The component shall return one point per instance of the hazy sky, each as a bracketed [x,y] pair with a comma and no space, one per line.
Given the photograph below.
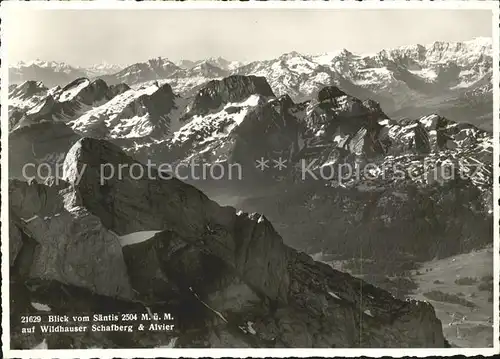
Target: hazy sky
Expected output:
[84,37]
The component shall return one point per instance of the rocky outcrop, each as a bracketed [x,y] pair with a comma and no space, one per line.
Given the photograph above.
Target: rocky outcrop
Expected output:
[230,89]
[238,134]
[157,106]
[187,211]
[229,277]
[117,89]
[15,115]
[15,240]
[72,246]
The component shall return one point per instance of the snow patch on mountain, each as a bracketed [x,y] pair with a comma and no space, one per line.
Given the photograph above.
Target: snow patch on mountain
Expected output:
[113,120]
[41,307]
[136,237]
[38,108]
[217,125]
[69,93]
[429,75]
[367,77]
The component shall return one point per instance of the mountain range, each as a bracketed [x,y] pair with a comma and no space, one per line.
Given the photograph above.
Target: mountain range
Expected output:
[421,188]
[408,81]
[239,120]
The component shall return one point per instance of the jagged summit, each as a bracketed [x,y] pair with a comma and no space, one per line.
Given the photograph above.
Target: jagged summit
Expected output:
[161,62]
[27,89]
[153,69]
[233,88]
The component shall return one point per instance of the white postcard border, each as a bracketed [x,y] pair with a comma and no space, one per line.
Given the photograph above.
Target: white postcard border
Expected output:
[259,352]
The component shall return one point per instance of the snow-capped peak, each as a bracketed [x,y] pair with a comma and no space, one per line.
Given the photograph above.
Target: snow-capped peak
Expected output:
[103,68]
[442,51]
[219,62]
[185,64]
[328,57]
[55,65]
[448,49]
[222,63]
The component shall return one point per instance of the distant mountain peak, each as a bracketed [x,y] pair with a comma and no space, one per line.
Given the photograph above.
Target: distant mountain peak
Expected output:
[42,63]
[291,54]
[330,92]
[161,62]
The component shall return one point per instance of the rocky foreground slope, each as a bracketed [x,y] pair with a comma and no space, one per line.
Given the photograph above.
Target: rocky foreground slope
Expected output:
[226,276]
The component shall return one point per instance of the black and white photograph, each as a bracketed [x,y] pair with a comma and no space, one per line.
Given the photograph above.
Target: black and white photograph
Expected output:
[184,178]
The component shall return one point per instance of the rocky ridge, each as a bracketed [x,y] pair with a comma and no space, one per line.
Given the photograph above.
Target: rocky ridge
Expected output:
[409,81]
